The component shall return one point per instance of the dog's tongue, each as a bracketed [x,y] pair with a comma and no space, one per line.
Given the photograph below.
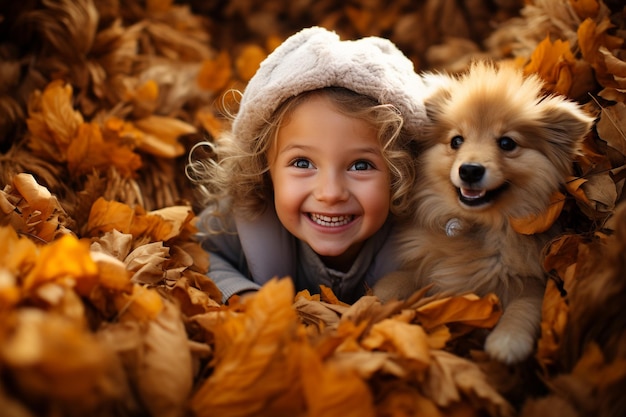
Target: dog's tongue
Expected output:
[469,193]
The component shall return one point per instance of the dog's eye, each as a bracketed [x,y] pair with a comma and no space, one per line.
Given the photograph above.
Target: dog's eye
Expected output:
[506,143]
[456,142]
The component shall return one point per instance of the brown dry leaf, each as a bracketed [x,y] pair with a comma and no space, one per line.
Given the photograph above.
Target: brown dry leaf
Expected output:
[601,191]
[542,222]
[147,262]
[573,188]
[554,62]
[31,209]
[52,121]
[191,300]
[452,379]
[256,359]
[164,372]
[611,127]
[560,262]
[469,309]
[157,358]
[215,72]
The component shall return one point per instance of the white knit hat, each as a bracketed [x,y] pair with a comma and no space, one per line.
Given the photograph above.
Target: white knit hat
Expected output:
[316,58]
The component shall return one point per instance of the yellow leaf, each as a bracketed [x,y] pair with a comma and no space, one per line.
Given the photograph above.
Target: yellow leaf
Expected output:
[67,261]
[541,222]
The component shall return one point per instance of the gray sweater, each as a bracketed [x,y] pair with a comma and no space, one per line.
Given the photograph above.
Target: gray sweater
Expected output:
[249,253]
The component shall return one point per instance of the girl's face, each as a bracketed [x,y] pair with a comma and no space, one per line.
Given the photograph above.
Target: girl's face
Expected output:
[331,183]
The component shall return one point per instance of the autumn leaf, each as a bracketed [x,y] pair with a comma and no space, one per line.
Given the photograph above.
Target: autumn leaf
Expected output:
[67,261]
[52,121]
[248,61]
[541,222]
[469,309]
[554,63]
[216,72]
[88,152]
[106,216]
[160,135]
[254,362]
[54,360]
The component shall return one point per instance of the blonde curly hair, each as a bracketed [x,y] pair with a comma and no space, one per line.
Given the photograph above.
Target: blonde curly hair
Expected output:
[236,174]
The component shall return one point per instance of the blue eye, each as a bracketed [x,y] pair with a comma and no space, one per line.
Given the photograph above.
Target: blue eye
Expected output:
[456,142]
[361,166]
[301,163]
[506,143]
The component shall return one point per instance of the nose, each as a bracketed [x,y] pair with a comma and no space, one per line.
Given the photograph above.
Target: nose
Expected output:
[331,188]
[471,172]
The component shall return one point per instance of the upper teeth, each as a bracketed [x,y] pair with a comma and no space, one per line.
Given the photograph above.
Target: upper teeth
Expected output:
[330,221]
[471,194]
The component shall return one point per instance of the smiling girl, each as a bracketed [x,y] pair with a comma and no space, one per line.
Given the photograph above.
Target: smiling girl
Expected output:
[316,169]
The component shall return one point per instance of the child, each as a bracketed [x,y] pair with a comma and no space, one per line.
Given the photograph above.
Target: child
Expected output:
[315,169]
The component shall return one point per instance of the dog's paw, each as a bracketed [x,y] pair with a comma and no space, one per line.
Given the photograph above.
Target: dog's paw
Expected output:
[509,348]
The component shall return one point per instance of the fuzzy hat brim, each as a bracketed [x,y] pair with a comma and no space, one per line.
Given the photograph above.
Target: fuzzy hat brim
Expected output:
[315,58]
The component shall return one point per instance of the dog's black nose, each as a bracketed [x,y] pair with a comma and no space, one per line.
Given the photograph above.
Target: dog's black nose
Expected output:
[471,172]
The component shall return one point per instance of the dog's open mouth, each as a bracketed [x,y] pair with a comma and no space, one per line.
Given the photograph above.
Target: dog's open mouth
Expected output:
[475,198]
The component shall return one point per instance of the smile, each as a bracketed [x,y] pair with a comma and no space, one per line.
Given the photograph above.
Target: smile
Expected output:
[328,221]
[474,198]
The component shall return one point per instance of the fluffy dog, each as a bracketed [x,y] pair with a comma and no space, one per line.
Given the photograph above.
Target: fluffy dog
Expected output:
[497,149]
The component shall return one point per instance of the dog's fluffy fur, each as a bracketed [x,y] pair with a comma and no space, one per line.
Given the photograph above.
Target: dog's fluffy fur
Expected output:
[496,149]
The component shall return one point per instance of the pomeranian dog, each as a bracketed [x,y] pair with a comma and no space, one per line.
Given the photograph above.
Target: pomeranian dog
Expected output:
[496,149]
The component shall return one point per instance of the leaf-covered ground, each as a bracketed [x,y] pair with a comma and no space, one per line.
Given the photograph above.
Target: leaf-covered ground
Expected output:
[105,305]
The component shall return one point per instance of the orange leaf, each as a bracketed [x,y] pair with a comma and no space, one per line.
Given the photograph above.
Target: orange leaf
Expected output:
[467,309]
[215,73]
[143,304]
[573,186]
[585,8]
[66,260]
[541,222]
[106,216]
[249,61]
[52,120]
[554,63]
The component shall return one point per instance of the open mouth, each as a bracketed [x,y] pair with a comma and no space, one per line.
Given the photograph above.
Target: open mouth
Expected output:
[331,221]
[474,198]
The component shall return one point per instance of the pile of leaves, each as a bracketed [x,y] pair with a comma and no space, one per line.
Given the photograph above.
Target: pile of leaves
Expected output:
[105,303]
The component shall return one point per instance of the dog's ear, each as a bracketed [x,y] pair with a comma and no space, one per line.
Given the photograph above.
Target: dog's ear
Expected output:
[564,125]
[437,94]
